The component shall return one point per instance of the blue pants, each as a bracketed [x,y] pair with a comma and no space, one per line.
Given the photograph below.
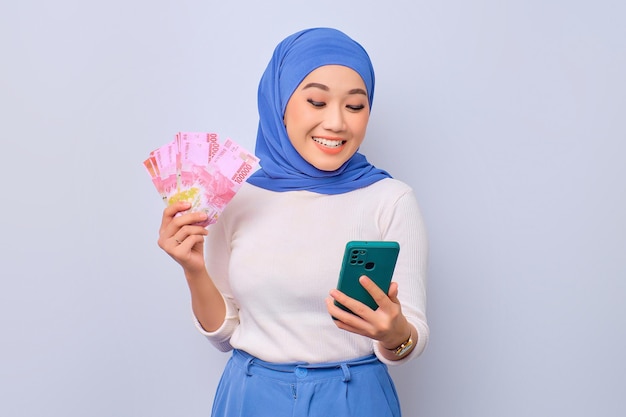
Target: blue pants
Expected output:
[251,387]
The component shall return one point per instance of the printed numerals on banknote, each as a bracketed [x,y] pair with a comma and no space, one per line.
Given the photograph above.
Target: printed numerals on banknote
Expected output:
[198,168]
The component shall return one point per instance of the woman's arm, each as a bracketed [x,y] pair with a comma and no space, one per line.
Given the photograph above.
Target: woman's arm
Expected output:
[182,239]
[397,316]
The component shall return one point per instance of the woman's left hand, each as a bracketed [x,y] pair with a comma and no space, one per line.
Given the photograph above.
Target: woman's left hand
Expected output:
[386,324]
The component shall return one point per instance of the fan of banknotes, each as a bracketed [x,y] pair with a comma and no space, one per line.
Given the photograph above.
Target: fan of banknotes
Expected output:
[199,168]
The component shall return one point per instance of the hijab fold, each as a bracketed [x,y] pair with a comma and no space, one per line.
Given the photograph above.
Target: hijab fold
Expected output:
[282,167]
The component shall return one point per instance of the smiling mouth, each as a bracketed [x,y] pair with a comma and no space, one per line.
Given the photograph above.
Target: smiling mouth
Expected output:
[328,143]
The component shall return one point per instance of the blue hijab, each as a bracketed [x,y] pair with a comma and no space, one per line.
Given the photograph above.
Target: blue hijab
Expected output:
[282,167]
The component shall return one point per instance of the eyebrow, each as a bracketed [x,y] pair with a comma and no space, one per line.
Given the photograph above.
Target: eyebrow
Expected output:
[325,88]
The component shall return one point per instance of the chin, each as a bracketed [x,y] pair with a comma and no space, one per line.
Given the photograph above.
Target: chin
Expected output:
[327,166]
[327,169]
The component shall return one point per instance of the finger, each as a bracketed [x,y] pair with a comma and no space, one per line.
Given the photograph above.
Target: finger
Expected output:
[189,230]
[176,223]
[374,290]
[358,309]
[172,210]
[352,329]
[349,322]
[196,218]
[169,213]
[185,251]
[393,292]
[174,234]
[186,245]
[344,319]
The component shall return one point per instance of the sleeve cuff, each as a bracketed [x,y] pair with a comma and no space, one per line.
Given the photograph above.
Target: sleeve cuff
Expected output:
[420,346]
[220,337]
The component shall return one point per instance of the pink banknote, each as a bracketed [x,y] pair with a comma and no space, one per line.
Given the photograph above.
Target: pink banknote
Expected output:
[198,168]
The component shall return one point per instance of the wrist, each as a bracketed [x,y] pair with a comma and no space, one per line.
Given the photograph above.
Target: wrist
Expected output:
[398,338]
[402,348]
[196,274]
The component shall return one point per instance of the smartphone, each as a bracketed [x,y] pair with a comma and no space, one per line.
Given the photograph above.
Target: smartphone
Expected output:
[376,260]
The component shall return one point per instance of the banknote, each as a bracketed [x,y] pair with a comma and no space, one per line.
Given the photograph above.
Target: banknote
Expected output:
[197,167]
[162,167]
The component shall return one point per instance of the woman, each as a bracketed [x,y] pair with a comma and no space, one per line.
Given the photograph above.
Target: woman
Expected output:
[265,288]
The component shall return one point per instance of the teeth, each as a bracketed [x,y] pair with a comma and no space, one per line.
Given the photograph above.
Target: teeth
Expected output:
[329,143]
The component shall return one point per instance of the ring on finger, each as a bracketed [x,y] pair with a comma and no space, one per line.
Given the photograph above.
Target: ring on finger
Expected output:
[178,241]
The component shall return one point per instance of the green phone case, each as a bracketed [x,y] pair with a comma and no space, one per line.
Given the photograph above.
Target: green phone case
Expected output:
[375,259]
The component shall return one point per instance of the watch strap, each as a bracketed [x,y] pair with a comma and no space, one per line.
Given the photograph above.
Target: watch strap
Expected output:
[404,347]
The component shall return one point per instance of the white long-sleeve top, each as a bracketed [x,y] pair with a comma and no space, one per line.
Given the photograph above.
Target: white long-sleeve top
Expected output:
[275,256]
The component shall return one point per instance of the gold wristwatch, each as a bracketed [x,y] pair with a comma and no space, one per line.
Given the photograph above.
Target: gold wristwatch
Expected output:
[404,347]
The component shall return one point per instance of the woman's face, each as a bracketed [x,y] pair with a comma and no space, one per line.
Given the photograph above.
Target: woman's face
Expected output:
[326,116]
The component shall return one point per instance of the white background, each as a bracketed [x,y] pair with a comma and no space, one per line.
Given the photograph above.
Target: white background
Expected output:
[508,117]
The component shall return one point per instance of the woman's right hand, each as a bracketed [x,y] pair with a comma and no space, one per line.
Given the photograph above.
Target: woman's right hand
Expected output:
[181,237]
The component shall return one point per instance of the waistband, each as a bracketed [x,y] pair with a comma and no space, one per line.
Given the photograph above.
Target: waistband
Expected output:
[302,370]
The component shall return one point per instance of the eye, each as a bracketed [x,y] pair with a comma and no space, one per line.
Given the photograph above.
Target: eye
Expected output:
[316,103]
[356,107]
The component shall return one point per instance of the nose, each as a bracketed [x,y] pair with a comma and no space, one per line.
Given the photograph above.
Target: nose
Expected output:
[334,119]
